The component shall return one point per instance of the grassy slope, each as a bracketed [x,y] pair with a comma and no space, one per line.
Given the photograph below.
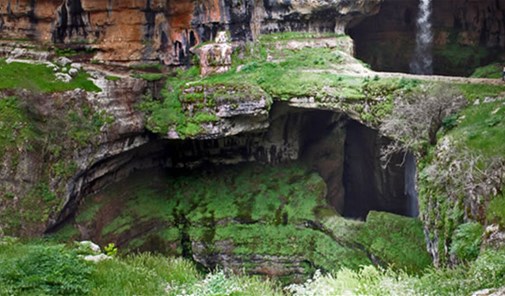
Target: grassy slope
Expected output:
[486,272]
[39,77]
[43,268]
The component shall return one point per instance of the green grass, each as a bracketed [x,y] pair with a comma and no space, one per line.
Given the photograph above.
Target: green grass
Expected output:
[149,76]
[38,77]
[459,58]
[286,36]
[489,71]
[467,240]
[487,271]
[481,91]
[112,78]
[44,268]
[397,240]
[495,212]
[482,128]
[152,67]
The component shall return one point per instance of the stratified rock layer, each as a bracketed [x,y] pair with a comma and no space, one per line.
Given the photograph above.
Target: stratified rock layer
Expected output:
[166,30]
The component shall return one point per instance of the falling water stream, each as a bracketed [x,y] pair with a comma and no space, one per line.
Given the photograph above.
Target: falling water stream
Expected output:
[422,61]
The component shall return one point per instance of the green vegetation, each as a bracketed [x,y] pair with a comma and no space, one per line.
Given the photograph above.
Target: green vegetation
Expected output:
[286,36]
[265,72]
[481,91]
[43,268]
[489,71]
[246,211]
[16,129]
[149,76]
[466,241]
[459,58]
[40,269]
[39,77]
[482,128]
[112,78]
[486,272]
[150,67]
[396,240]
[496,210]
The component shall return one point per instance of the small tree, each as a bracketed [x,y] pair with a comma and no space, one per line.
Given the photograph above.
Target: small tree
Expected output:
[417,117]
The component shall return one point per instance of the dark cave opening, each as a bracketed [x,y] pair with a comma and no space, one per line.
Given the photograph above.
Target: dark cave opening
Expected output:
[344,152]
[370,183]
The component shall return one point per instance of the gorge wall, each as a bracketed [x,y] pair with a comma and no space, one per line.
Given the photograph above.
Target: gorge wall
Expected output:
[166,30]
[467,34]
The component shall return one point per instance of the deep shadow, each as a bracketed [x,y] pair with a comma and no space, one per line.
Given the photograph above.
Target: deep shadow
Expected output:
[368,184]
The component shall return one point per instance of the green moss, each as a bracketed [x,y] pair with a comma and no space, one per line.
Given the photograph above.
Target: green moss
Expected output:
[16,128]
[39,77]
[286,36]
[152,67]
[255,210]
[269,73]
[31,210]
[397,240]
[112,78]
[489,71]
[459,58]
[495,212]
[149,76]
[289,240]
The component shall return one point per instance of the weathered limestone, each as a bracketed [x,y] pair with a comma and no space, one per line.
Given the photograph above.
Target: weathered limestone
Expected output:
[167,30]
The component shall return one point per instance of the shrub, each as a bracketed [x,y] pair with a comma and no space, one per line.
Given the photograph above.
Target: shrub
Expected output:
[42,270]
[496,210]
[467,240]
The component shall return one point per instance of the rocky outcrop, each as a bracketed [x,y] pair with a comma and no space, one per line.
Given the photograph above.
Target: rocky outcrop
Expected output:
[166,30]
[215,57]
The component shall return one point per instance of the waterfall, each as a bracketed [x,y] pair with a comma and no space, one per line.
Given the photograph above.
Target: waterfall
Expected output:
[422,62]
[410,185]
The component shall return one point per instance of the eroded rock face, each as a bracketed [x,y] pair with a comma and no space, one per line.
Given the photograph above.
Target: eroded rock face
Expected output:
[166,30]
[216,57]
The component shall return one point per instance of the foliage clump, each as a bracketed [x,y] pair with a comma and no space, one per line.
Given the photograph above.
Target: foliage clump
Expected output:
[466,241]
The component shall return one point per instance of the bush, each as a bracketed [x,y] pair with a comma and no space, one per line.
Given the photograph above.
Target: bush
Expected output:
[42,270]
[496,210]
[467,240]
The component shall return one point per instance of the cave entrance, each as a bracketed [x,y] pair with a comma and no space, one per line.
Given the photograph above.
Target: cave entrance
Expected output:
[371,184]
[344,152]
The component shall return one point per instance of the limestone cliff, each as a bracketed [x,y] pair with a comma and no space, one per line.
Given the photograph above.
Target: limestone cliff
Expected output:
[166,30]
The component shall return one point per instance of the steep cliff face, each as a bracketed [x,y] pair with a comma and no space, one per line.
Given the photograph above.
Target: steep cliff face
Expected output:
[166,30]
[468,34]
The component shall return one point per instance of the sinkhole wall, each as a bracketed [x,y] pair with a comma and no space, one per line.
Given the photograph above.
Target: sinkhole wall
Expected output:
[345,153]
